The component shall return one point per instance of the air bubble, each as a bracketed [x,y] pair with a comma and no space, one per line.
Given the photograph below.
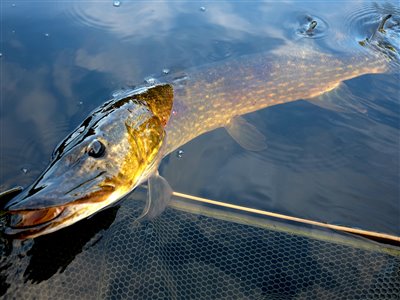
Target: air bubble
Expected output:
[202,8]
[47,34]
[117,3]
[1,54]
[180,153]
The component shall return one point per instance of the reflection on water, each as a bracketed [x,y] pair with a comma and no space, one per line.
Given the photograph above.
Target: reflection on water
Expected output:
[61,60]
[52,252]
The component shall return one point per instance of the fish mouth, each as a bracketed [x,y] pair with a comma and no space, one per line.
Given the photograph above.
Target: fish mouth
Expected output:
[30,223]
[24,223]
[26,219]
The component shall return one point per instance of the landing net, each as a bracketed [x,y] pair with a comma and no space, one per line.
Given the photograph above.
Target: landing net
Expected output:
[205,252]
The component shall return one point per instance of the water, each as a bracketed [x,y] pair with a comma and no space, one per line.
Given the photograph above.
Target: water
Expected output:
[334,167]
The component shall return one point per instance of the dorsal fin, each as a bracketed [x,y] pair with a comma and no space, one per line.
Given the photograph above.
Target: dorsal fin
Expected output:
[160,99]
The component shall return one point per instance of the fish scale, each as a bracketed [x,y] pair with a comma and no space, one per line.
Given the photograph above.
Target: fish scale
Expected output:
[213,95]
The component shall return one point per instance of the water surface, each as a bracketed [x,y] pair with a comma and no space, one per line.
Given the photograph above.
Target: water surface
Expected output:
[60,60]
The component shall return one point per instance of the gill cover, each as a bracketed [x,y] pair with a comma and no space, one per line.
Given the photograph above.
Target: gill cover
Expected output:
[117,147]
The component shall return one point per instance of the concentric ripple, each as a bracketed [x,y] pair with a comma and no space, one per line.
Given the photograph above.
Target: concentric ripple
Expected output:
[376,26]
[363,23]
[299,25]
[310,26]
[127,22]
[76,11]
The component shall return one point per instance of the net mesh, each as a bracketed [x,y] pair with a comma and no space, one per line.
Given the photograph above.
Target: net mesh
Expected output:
[181,255]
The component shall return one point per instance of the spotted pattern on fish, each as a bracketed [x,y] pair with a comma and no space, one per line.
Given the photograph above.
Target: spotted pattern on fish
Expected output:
[212,95]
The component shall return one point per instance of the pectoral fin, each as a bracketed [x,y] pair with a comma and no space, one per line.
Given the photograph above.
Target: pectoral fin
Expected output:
[158,196]
[246,134]
[340,99]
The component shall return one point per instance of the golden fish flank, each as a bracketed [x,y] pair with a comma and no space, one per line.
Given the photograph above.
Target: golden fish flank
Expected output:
[254,82]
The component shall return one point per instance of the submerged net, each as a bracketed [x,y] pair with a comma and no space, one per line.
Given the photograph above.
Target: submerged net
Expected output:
[210,254]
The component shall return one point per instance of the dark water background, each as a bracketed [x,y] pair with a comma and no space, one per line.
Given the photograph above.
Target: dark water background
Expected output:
[60,60]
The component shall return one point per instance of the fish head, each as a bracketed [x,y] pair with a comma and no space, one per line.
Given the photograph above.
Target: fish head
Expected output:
[114,150]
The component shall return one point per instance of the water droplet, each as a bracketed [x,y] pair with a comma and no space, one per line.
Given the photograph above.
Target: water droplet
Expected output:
[180,153]
[202,8]
[165,71]
[24,170]
[118,93]
[47,34]
[150,80]
[117,3]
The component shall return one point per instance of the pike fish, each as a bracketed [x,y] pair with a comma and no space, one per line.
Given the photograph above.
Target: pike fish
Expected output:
[120,144]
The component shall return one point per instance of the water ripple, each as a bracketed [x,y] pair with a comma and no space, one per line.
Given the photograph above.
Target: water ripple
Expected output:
[363,22]
[129,21]
[299,25]
[78,12]
[310,26]
[376,26]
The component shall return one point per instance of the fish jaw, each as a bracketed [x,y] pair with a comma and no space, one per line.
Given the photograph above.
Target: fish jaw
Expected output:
[26,224]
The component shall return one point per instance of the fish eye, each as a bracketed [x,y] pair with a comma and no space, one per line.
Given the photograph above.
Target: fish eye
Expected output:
[95,148]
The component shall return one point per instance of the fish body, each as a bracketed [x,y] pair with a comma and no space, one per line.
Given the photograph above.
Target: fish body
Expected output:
[120,145]
[210,97]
